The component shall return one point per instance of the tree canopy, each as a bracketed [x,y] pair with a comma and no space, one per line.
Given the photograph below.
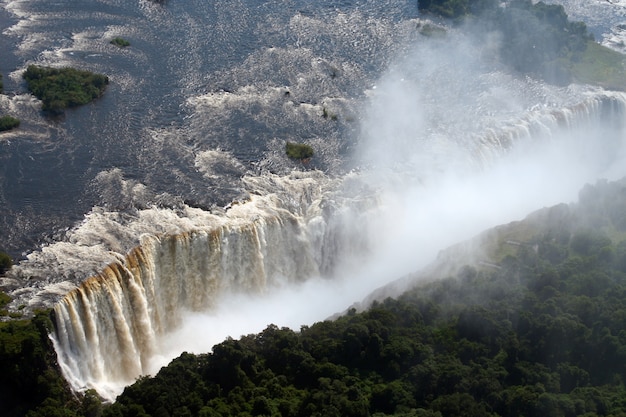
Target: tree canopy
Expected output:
[59,88]
[6,123]
[121,42]
[5,260]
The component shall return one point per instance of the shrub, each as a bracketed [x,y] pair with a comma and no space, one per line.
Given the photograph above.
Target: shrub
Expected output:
[5,262]
[326,114]
[121,42]
[8,123]
[4,300]
[298,150]
[59,88]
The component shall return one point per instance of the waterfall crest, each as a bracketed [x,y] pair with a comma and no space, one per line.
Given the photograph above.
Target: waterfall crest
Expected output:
[605,109]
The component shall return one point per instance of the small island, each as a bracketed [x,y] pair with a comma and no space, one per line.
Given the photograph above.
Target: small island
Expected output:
[8,123]
[60,88]
[121,42]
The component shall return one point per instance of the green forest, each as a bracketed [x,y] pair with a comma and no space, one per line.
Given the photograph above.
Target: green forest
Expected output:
[536,330]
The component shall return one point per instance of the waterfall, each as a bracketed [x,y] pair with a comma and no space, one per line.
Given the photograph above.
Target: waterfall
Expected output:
[109,328]
[111,325]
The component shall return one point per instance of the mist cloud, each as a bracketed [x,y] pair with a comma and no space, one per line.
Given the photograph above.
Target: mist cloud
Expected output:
[456,145]
[449,147]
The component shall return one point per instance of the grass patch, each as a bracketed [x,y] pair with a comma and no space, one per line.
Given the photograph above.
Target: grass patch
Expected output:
[601,66]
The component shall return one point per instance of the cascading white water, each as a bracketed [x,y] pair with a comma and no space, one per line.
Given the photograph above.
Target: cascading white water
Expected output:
[112,325]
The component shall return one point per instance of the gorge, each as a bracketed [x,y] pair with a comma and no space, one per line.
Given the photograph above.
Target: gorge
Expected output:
[341,234]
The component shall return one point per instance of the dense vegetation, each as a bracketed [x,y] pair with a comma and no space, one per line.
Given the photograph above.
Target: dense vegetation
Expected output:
[5,262]
[121,42]
[8,123]
[59,88]
[30,383]
[538,39]
[299,151]
[540,333]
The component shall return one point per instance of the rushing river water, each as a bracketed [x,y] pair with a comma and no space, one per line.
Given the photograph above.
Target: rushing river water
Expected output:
[242,57]
[150,127]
